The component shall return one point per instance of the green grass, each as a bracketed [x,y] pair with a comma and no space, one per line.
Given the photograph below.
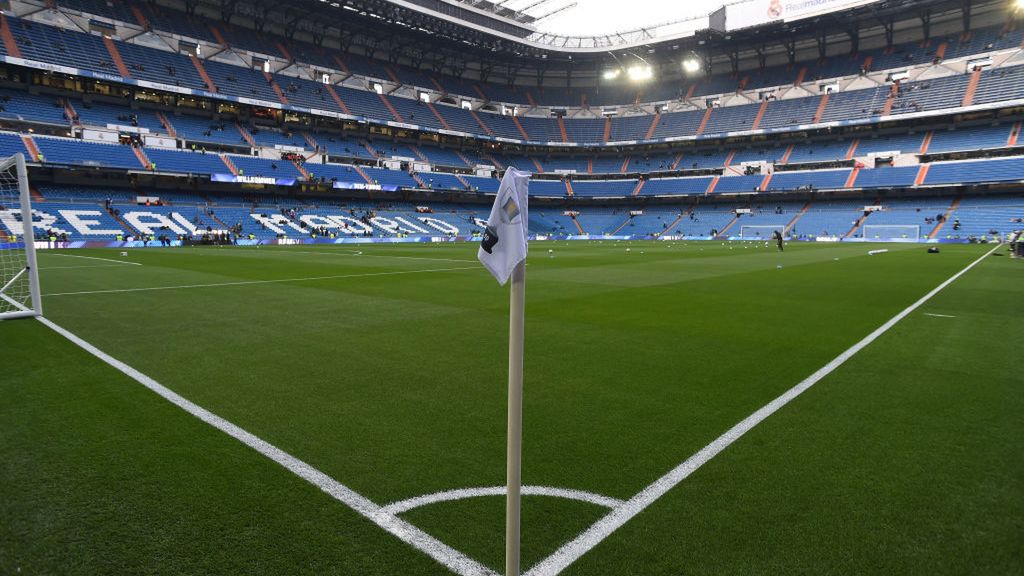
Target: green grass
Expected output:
[388,374]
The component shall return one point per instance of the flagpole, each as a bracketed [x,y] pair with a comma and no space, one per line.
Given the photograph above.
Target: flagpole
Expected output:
[517,309]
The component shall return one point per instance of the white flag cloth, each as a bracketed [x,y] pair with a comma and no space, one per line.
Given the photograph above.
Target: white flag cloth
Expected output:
[504,243]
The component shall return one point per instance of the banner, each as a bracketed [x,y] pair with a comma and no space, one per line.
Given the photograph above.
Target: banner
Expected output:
[758,12]
[364,186]
[252,179]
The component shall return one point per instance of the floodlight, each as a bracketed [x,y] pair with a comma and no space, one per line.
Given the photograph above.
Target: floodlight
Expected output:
[1019,4]
[692,65]
[611,74]
[637,72]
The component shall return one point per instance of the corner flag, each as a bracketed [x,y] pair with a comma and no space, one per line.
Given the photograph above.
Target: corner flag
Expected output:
[503,253]
[504,242]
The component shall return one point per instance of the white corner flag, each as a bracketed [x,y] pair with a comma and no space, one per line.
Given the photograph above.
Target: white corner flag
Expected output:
[503,252]
[504,243]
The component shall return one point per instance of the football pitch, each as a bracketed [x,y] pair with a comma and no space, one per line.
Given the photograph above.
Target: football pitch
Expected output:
[363,392]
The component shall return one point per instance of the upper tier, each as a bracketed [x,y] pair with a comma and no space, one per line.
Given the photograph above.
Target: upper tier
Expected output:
[294,57]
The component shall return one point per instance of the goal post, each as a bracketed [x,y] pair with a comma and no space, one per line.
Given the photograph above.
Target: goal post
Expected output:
[19,276]
[761,232]
[891,232]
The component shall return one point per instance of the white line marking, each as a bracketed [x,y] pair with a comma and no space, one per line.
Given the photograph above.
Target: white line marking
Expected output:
[939,315]
[451,558]
[463,493]
[252,282]
[78,267]
[91,258]
[584,542]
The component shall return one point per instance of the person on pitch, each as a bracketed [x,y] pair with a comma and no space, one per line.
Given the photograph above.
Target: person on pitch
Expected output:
[778,239]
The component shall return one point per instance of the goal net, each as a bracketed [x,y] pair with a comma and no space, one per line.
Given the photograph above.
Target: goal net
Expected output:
[19,277]
[907,233]
[761,232]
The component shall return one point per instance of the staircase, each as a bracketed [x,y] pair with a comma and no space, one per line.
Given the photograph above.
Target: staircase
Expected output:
[621,226]
[30,147]
[124,225]
[245,134]
[391,108]
[536,163]
[35,194]
[887,107]
[167,124]
[1011,140]
[310,140]
[590,165]
[277,89]
[852,149]
[851,180]
[143,159]
[227,162]
[369,148]
[480,121]
[302,170]
[922,173]
[577,223]
[972,87]
[140,17]
[760,115]
[792,222]
[70,111]
[711,187]
[284,52]
[562,130]
[337,99]
[437,114]
[926,142]
[568,189]
[463,181]
[650,129]
[722,232]
[625,165]
[219,37]
[674,223]
[519,126]
[418,180]
[115,57]
[202,74]
[704,121]
[639,187]
[342,64]
[464,159]
[856,226]
[607,129]
[419,154]
[765,182]
[9,42]
[785,156]
[800,76]
[821,108]
[949,212]
[365,176]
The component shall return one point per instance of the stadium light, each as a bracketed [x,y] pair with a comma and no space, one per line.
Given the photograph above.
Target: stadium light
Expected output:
[638,73]
[1019,4]
[611,74]
[691,65]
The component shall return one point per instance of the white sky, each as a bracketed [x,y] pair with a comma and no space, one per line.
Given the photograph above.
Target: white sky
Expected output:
[607,16]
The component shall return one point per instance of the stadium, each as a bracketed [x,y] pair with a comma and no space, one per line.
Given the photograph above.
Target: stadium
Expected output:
[771,324]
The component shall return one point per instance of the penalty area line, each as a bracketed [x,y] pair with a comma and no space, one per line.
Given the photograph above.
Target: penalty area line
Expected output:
[253,282]
[447,556]
[591,537]
[90,258]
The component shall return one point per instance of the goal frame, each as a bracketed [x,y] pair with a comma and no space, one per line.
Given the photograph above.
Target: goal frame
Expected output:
[28,240]
[780,227]
[865,228]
